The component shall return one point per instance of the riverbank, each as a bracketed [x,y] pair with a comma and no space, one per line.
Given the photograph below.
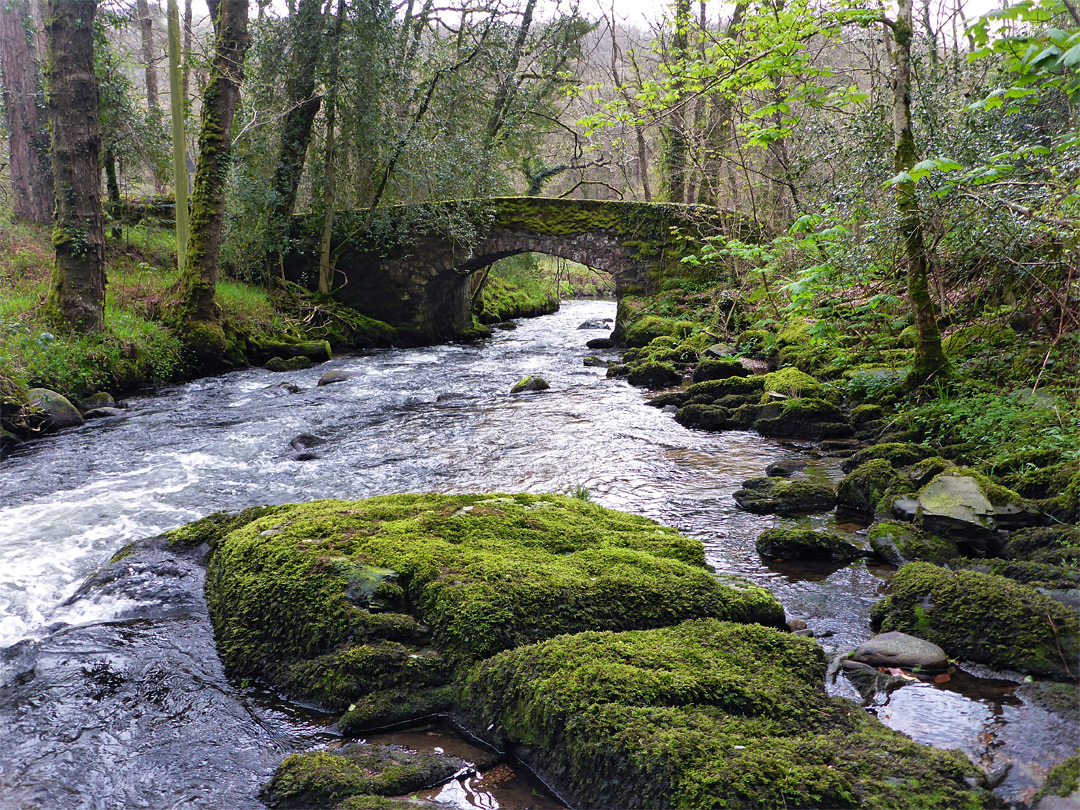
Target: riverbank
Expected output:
[141,345]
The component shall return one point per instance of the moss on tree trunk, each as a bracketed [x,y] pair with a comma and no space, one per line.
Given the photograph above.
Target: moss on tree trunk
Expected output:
[77,286]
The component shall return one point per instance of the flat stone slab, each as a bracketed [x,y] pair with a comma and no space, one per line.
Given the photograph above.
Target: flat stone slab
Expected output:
[958,498]
[900,650]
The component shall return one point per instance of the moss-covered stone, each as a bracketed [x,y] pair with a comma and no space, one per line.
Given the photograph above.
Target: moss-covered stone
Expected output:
[969,339]
[983,618]
[473,575]
[756,342]
[1063,780]
[713,418]
[703,715]
[1045,544]
[1039,575]
[805,418]
[653,375]
[707,393]
[289,364]
[863,489]
[784,496]
[805,544]
[795,383]
[644,330]
[323,778]
[530,383]
[899,454]
[900,543]
[720,369]
[1042,482]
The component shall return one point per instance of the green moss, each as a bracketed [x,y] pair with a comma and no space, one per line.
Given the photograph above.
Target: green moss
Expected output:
[970,339]
[720,369]
[755,342]
[653,375]
[680,717]
[899,454]
[994,492]
[805,544]
[863,489]
[899,543]
[530,383]
[1039,575]
[644,330]
[794,383]
[1046,544]
[785,496]
[983,618]
[477,574]
[713,390]
[1063,780]
[322,778]
[805,418]
[211,529]
[1042,482]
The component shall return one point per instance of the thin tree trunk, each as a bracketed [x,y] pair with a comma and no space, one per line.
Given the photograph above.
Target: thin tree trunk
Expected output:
[929,360]
[199,277]
[307,33]
[77,285]
[112,189]
[504,96]
[326,268]
[179,138]
[187,48]
[146,27]
[25,114]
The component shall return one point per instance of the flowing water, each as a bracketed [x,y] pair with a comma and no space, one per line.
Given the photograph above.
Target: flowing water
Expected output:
[436,419]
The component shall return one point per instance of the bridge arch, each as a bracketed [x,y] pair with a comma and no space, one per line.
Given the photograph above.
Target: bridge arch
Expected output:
[418,278]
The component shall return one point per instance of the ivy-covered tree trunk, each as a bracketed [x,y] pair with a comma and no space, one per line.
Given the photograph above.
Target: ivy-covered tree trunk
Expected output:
[307,34]
[24,112]
[77,285]
[673,135]
[929,359]
[329,200]
[199,277]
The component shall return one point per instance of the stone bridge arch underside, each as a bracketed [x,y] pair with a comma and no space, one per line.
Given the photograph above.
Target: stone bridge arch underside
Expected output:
[415,275]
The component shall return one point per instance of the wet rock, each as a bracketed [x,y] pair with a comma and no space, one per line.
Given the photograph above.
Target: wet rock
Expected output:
[713,418]
[785,468]
[899,543]
[870,681]
[331,377]
[375,589]
[98,400]
[900,650]
[287,387]
[796,624]
[594,362]
[288,364]
[594,324]
[983,618]
[905,508]
[1045,544]
[325,778]
[600,343]
[783,496]
[804,418]
[305,441]
[506,326]
[316,351]
[56,412]
[899,454]
[530,383]
[672,409]
[103,413]
[805,544]
[8,440]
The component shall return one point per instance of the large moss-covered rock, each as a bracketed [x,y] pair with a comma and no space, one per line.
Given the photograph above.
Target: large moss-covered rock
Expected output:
[899,454]
[863,488]
[706,714]
[806,418]
[785,496]
[719,370]
[1053,545]
[795,383]
[530,383]
[983,618]
[53,411]
[376,604]
[653,375]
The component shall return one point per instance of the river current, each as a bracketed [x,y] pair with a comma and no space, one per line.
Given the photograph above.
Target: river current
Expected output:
[440,419]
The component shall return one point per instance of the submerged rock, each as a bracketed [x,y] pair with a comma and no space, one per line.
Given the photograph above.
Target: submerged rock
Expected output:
[984,618]
[595,362]
[103,413]
[331,377]
[594,324]
[101,399]
[900,650]
[530,383]
[600,343]
[55,411]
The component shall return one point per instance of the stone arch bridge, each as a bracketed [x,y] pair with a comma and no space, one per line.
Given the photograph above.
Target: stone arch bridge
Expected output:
[410,265]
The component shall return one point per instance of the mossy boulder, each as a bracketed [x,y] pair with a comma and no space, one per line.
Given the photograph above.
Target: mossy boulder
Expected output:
[970,339]
[1042,482]
[983,618]
[530,383]
[1044,544]
[653,375]
[795,383]
[705,714]
[806,418]
[863,488]
[806,544]
[53,411]
[719,370]
[714,418]
[1063,780]
[1044,576]
[645,329]
[317,351]
[899,454]
[376,604]
[785,496]
[288,364]
[324,778]
[966,504]
[707,393]
[899,543]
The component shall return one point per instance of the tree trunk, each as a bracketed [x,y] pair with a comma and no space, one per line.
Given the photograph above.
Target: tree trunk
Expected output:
[146,27]
[307,33]
[199,278]
[326,267]
[179,137]
[77,285]
[112,189]
[24,112]
[929,360]
[674,131]
[187,48]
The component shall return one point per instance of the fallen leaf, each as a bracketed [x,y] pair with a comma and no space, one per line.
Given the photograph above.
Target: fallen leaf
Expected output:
[944,677]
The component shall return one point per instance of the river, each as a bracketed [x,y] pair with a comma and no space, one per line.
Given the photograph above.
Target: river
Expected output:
[439,419]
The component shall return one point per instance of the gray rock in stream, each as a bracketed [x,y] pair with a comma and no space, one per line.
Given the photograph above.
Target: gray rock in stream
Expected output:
[900,650]
[55,410]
